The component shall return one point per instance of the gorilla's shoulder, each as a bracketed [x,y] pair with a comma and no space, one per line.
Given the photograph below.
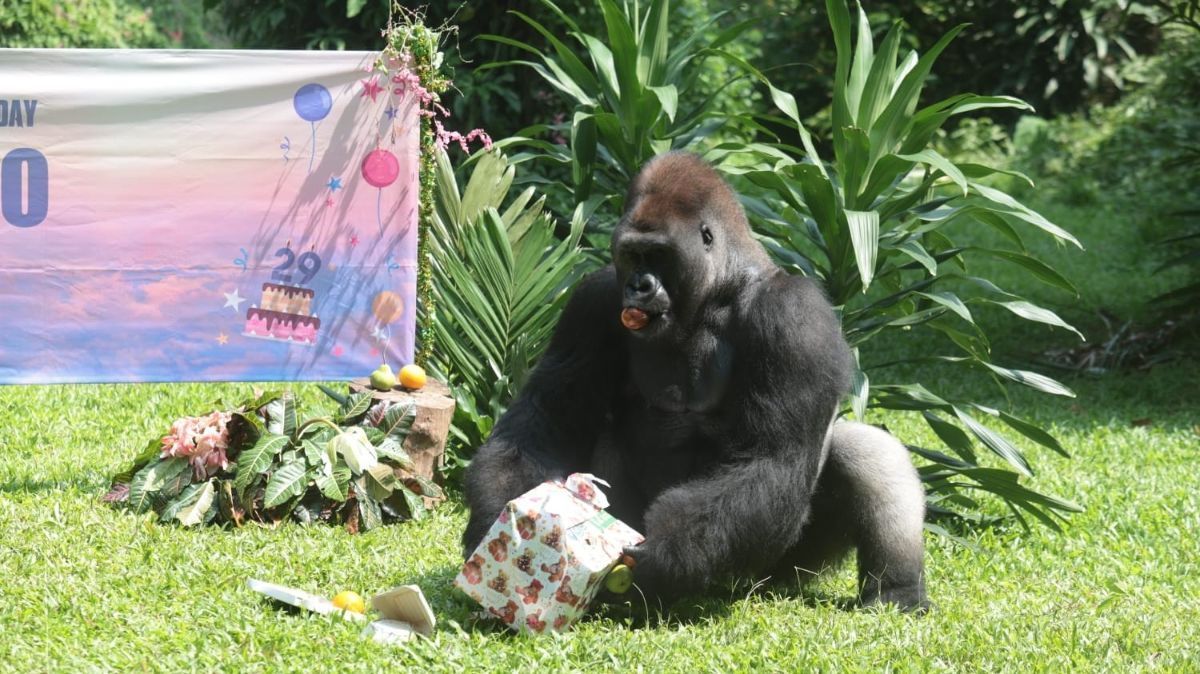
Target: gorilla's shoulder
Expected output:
[790,316]
[784,299]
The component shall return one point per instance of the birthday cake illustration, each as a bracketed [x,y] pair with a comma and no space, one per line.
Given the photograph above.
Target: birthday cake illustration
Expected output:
[285,313]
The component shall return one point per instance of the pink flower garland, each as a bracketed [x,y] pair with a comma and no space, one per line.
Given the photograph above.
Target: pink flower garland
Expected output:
[407,81]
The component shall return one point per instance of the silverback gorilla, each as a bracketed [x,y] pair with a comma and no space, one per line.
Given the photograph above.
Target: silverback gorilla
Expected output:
[702,382]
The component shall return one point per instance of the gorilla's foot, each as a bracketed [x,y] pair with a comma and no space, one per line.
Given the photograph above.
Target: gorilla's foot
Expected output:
[909,598]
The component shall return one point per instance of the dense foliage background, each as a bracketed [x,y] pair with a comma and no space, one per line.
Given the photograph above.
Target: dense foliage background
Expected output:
[1097,102]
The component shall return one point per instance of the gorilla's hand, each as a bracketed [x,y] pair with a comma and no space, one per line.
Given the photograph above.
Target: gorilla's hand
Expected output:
[651,572]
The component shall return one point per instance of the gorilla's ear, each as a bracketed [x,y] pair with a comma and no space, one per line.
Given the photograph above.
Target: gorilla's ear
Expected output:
[707,235]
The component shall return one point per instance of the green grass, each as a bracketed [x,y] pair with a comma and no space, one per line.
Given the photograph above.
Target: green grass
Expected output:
[85,587]
[88,587]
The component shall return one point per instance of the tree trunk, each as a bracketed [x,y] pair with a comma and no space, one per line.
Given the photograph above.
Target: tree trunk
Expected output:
[426,441]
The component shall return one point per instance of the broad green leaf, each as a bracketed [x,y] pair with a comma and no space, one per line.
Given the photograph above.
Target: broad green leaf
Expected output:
[428,487]
[864,233]
[1032,379]
[368,507]
[193,512]
[864,56]
[668,98]
[877,90]
[317,456]
[583,152]
[391,449]
[398,420]
[857,153]
[860,391]
[937,161]
[995,442]
[1032,312]
[255,460]
[291,419]
[954,437]
[336,485]
[416,507]
[148,481]
[1039,269]
[1033,432]
[287,481]
[356,405]
[1015,208]
[380,481]
[951,302]
[916,251]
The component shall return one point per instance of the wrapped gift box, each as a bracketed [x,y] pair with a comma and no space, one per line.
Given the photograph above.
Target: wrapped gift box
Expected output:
[545,557]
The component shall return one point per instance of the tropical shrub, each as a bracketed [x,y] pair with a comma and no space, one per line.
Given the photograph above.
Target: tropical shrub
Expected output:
[500,280]
[630,94]
[875,224]
[260,461]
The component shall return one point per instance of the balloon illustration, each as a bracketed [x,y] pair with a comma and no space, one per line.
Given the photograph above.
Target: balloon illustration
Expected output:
[380,168]
[313,103]
[387,307]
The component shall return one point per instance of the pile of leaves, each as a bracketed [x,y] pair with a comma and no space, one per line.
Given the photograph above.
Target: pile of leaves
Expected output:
[260,462]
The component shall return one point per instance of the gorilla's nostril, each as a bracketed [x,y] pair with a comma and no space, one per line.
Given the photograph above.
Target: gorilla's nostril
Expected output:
[641,287]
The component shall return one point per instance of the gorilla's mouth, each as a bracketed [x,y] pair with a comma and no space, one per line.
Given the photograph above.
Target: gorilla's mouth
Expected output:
[644,303]
[642,319]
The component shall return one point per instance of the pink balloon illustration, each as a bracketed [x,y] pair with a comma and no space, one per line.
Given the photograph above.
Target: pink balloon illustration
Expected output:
[380,168]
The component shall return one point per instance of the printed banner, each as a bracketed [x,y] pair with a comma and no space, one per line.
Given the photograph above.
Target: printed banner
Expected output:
[204,216]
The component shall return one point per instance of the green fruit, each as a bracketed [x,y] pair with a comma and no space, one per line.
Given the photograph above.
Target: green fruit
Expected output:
[619,580]
[383,379]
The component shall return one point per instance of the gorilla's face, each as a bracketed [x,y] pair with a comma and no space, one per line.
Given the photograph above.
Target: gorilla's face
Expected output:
[664,263]
[670,249]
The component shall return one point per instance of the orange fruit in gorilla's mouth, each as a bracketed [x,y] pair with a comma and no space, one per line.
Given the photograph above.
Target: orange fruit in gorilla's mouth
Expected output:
[634,318]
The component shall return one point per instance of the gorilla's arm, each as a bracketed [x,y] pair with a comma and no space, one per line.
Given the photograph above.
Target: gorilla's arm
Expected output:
[792,366]
[551,428]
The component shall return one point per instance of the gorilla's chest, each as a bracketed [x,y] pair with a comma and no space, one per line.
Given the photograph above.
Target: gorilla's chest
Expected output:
[669,419]
[681,381]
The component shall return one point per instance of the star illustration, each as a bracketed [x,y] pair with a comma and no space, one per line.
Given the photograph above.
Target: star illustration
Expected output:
[233,300]
[353,239]
[329,201]
[338,350]
[391,112]
[334,184]
[379,333]
[371,88]
[222,338]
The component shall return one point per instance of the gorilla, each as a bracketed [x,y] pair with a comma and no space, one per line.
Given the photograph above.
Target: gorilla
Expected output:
[703,383]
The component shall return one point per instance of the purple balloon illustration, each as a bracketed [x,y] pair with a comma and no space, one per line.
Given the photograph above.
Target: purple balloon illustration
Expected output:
[313,103]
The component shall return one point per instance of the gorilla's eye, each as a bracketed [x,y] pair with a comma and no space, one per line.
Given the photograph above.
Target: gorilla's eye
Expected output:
[706,235]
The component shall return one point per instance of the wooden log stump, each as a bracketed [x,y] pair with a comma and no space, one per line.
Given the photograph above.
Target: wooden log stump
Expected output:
[426,441]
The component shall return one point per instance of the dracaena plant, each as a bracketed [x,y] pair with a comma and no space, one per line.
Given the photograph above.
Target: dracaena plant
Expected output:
[875,224]
[261,461]
[500,277]
[632,94]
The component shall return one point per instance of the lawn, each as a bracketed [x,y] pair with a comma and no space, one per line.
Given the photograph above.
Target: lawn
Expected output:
[88,588]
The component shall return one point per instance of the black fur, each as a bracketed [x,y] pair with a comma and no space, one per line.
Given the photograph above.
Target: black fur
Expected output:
[711,422]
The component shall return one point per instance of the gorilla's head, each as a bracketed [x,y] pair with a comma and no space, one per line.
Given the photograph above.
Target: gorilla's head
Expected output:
[682,242]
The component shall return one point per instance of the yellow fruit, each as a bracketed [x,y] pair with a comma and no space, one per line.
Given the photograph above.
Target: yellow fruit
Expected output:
[619,580]
[412,376]
[350,601]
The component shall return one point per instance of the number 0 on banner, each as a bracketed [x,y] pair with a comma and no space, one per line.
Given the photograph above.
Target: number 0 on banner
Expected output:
[24,187]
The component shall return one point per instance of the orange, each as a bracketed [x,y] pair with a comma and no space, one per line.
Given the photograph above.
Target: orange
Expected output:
[412,376]
[348,600]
